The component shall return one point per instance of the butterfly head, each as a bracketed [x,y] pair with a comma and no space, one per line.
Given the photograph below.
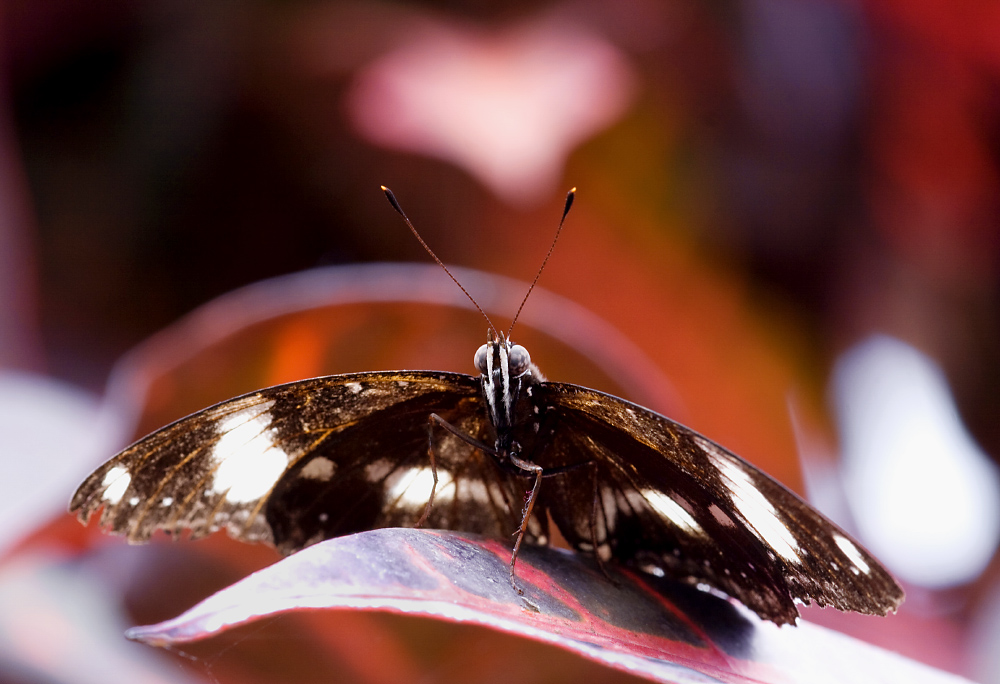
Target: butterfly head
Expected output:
[504,368]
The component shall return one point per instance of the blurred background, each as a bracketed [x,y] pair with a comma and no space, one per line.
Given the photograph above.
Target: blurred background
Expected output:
[786,236]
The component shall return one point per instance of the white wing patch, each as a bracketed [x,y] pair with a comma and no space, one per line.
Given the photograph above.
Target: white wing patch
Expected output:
[673,511]
[378,470]
[249,461]
[472,488]
[757,510]
[852,553]
[412,488]
[320,468]
[116,481]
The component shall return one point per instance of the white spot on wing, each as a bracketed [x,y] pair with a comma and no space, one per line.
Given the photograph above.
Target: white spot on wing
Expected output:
[610,505]
[116,482]
[249,461]
[758,511]
[470,488]
[412,488]
[673,511]
[320,468]
[166,501]
[354,387]
[376,471]
[852,553]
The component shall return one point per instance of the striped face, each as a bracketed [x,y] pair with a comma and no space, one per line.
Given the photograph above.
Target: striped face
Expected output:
[504,369]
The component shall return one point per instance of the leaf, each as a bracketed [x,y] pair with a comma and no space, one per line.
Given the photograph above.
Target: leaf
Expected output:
[658,628]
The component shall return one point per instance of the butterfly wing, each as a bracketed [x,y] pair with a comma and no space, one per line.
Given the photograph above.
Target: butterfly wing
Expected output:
[297,463]
[669,500]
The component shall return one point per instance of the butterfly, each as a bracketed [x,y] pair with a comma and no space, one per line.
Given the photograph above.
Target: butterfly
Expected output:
[504,452]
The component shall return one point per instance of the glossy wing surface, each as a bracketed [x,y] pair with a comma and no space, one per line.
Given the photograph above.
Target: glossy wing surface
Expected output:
[664,498]
[298,463]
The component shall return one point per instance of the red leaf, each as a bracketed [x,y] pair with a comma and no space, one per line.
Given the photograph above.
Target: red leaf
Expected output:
[655,627]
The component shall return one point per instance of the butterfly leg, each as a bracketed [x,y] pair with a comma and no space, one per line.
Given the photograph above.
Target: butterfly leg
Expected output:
[432,420]
[529,505]
[592,466]
[593,523]
[435,419]
[434,471]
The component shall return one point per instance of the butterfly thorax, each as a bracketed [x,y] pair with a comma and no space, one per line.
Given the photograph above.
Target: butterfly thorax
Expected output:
[506,374]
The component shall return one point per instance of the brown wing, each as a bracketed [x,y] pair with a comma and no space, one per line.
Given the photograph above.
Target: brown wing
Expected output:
[298,463]
[671,501]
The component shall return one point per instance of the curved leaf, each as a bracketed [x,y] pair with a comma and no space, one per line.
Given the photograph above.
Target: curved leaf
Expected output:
[659,628]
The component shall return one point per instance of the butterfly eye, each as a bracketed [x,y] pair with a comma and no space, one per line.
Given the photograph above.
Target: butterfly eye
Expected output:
[519,359]
[480,359]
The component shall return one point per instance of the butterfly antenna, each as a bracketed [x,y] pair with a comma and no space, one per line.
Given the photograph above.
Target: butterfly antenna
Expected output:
[409,224]
[569,203]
